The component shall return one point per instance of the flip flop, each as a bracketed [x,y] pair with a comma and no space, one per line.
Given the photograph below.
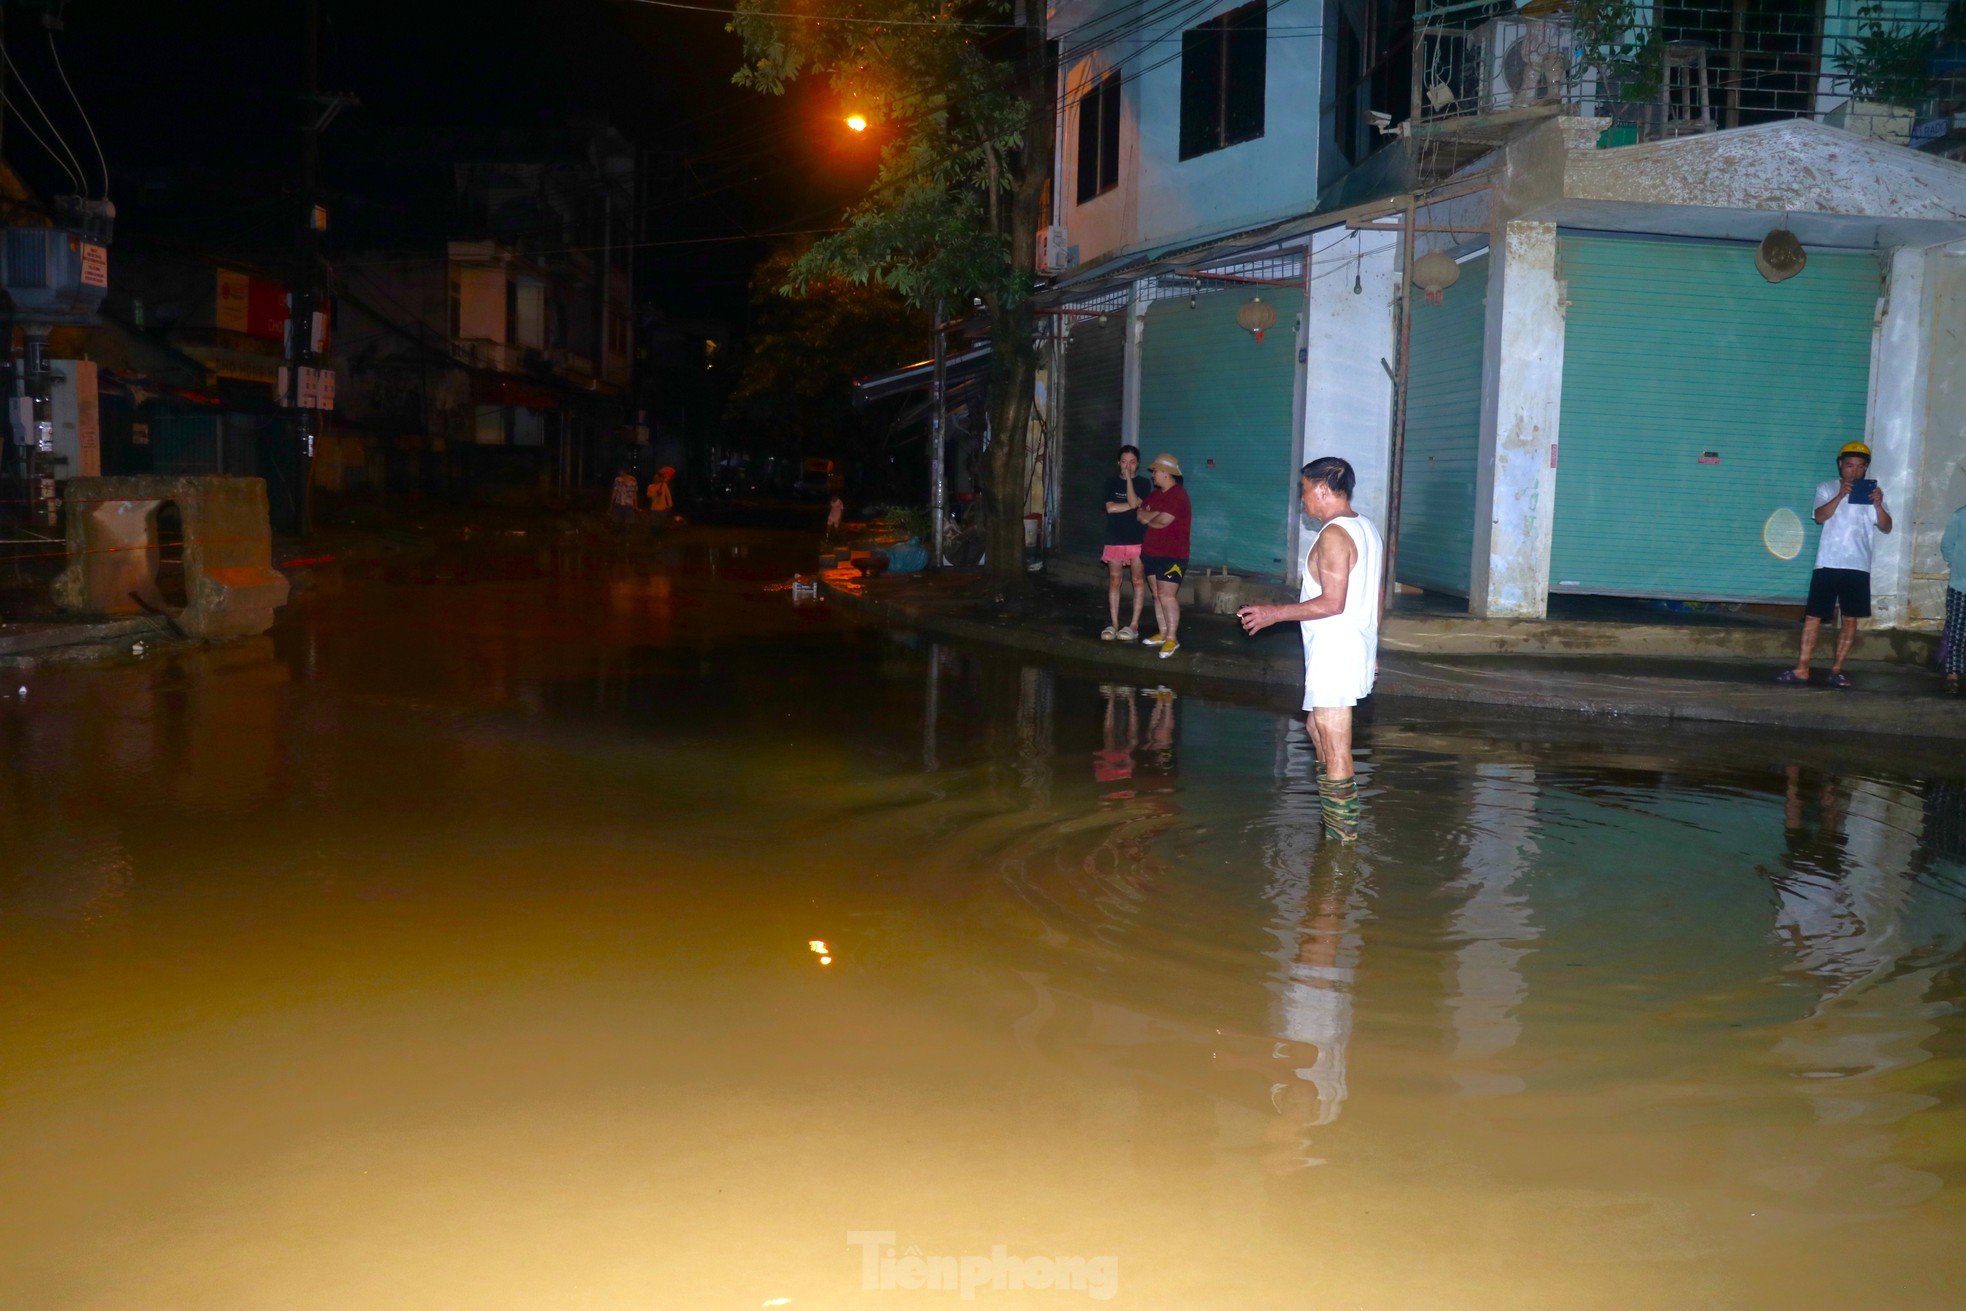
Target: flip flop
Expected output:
[1841,681]
[1788,676]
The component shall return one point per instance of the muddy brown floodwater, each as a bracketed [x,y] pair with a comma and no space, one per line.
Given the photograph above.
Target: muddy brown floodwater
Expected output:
[537,927]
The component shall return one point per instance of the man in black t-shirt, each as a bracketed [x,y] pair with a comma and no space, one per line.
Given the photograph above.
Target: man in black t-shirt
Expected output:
[1124,532]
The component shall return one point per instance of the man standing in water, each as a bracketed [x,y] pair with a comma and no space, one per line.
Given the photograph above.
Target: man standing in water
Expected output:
[1339,609]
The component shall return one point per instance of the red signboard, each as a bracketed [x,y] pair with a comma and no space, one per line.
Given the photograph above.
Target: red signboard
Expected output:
[251,305]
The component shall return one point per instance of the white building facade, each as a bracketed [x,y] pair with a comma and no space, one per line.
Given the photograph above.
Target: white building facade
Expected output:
[1608,331]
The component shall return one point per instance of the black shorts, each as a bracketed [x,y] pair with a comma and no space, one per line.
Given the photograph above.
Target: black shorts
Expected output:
[1845,589]
[1164,567]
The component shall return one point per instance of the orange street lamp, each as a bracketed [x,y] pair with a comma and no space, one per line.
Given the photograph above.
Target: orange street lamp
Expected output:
[858,122]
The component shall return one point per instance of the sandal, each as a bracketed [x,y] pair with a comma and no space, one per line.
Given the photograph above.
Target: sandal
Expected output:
[1841,681]
[1108,633]
[1127,634]
[1790,677]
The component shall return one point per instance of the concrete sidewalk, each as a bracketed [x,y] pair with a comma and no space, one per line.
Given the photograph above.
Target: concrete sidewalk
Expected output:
[1650,672]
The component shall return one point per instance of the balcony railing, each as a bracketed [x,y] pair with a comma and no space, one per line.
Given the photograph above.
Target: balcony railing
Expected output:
[1890,69]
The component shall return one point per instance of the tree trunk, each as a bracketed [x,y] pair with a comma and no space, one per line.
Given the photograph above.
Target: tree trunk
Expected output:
[1013,336]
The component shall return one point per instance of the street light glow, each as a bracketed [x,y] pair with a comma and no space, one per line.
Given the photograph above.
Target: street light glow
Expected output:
[858,122]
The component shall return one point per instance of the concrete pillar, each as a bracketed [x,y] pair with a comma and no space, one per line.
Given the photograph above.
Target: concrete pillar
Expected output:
[1895,429]
[1521,397]
[1136,329]
[1348,344]
[1939,479]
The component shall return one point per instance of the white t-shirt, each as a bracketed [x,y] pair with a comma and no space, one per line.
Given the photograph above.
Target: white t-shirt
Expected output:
[1846,539]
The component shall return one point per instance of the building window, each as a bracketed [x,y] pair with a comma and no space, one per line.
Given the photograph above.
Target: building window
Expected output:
[1099,138]
[1222,80]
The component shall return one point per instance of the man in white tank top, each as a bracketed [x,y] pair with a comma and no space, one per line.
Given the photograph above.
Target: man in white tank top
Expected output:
[1339,609]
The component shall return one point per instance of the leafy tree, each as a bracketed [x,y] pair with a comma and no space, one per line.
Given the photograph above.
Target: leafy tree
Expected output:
[805,349]
[964,92]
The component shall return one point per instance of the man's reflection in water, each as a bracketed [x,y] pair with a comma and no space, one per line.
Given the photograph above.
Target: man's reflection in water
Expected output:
[1321,906]
[1847,913]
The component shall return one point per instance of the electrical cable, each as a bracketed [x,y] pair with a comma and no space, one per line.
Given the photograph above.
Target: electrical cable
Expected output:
[76,174]
[28,123]
[55,55]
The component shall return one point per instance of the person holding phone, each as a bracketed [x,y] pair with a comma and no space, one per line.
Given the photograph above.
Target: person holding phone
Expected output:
[1850,507]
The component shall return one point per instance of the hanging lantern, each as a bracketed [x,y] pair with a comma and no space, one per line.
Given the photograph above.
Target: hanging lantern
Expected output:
[1779,256]
[1256,317]
[1434,272]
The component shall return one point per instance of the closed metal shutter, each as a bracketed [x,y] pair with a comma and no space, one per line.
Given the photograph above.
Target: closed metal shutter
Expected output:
[184,442]
[1698,400]
[1209,391]
[1095,360]
[1443,435]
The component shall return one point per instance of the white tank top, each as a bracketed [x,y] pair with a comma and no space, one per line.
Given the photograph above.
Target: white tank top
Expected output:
[1362,585]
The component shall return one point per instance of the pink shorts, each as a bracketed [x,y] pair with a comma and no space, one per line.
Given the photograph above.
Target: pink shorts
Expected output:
[1119,554]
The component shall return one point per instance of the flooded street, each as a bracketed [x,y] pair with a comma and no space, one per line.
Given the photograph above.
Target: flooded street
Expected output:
[545,927]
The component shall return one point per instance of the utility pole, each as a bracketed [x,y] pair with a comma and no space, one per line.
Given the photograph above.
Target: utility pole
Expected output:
[307,321]
[938,447]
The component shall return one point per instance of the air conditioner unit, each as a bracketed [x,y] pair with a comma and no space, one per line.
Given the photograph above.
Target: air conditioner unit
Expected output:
[1054,256]
[1523,62]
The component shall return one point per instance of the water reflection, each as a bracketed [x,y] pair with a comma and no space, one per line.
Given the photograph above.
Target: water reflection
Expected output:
[455,882]
[1494,926]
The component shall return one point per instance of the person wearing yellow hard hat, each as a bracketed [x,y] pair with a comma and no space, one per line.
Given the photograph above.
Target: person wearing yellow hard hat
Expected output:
[1850,507]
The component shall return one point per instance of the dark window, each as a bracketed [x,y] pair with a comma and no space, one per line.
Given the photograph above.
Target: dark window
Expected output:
[1222,80]
[1099,138]
[1372,71]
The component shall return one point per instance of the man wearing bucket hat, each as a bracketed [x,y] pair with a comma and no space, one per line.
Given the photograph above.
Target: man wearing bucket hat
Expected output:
[1164,551]
[1850,507]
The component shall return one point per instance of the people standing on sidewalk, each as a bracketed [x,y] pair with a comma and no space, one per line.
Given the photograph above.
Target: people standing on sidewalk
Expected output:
[1164,549]
[1850,507]
[1952,645]
[1125,493]
[662,499]
[624,501]
[1339,609]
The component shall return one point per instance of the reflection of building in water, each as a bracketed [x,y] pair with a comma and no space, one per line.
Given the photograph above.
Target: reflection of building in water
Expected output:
[1855,922]
[1844,881]
[1945,823]
[1485,985]
[1320,911]
[1034,732]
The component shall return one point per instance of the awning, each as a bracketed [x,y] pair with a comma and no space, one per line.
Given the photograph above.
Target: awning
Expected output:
[962,367]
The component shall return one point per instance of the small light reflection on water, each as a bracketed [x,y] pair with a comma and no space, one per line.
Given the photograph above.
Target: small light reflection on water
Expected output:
[486,890]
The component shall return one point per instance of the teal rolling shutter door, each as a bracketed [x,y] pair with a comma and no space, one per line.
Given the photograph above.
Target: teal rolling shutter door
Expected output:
[1211,391]
[1095,355]
[1443,435]
[1673,350]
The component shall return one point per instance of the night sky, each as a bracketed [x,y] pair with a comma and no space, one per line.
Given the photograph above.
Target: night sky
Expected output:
[195,103]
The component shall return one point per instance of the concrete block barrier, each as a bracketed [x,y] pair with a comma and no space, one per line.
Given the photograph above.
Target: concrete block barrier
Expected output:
[117,531]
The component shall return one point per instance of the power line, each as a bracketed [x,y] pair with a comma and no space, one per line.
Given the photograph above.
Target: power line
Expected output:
[28,123]
[55,55]
[34,100]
